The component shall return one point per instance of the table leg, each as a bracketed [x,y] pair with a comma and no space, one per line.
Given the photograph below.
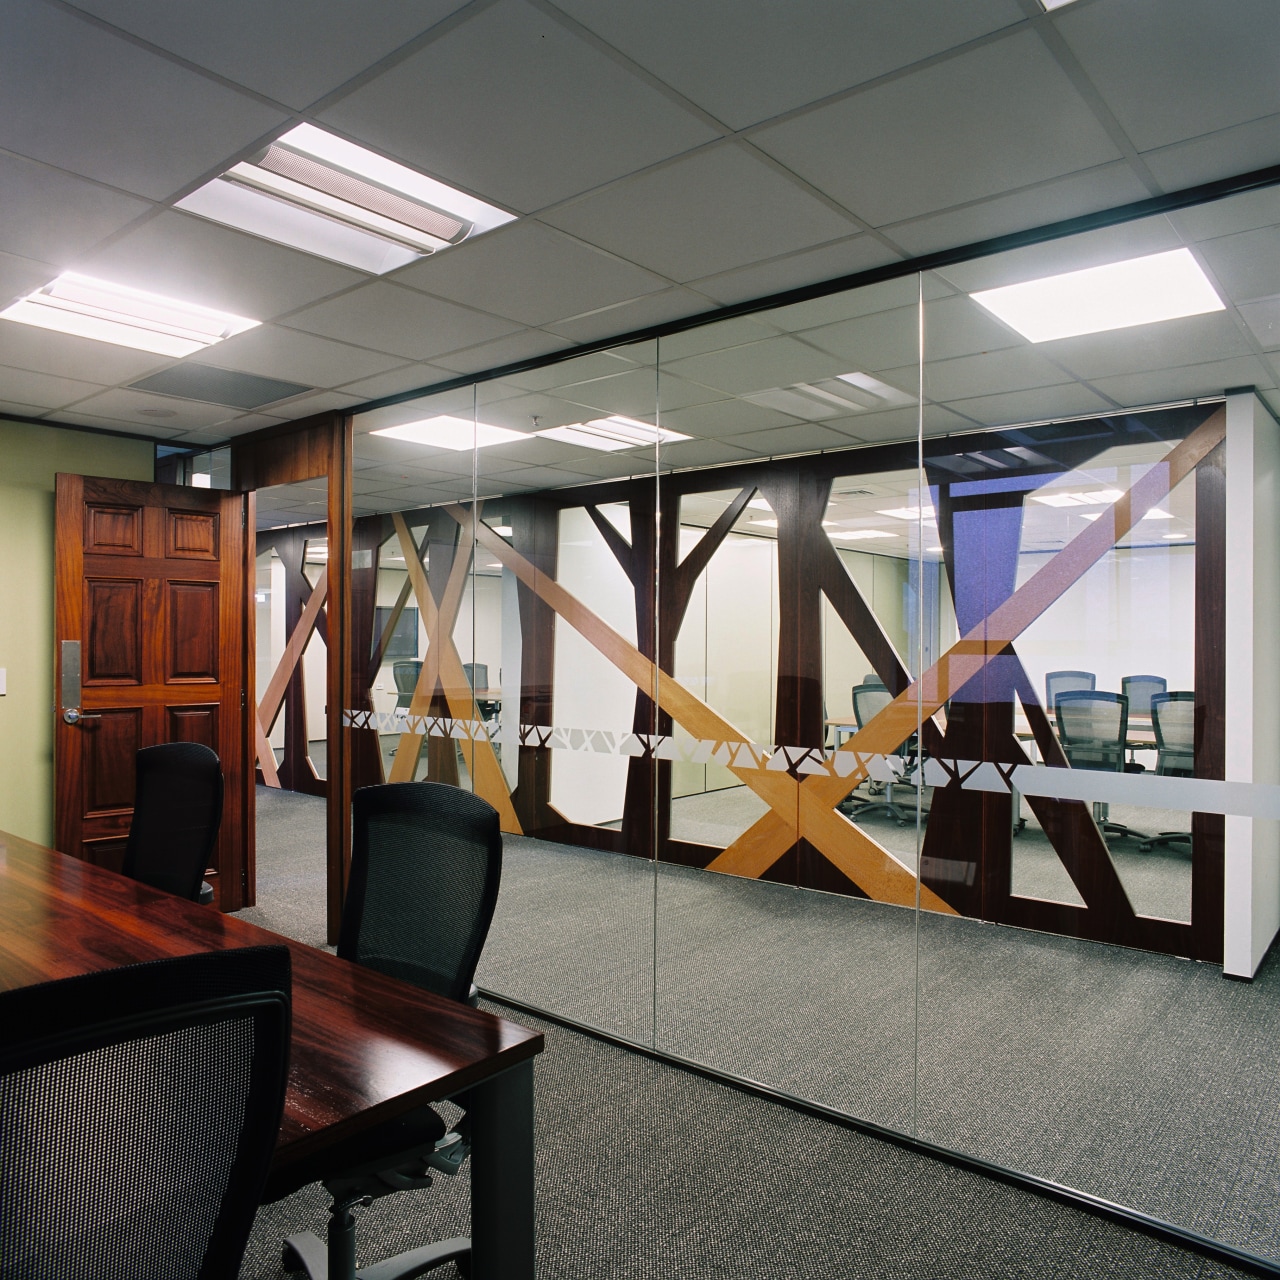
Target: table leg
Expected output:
[502,1227]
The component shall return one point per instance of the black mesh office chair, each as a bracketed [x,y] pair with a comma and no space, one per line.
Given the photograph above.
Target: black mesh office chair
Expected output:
[1056,682]
[869,699]
[426,861]
[406,676]
[139,1109]
[1093,727]
[478,678]
[1173,716]
[177,810]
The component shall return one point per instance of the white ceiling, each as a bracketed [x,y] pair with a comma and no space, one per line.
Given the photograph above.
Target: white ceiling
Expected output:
[662,159]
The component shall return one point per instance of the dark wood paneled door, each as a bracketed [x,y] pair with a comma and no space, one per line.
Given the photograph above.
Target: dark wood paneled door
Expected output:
[150,627]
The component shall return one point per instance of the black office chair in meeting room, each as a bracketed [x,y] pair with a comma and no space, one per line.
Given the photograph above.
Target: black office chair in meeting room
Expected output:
[1093,728]
[406,675]
[139,1108]
[1056,682]
[1173,717]
[869,699]
[1140,690]
[477,674]
[426,862]
[177,810]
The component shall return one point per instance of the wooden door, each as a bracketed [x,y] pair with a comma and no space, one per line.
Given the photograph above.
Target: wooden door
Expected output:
[151,588]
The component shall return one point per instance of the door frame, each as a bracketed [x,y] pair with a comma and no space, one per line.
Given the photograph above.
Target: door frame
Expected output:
[311,448]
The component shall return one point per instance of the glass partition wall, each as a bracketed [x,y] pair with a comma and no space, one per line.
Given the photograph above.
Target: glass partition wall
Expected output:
[876,692]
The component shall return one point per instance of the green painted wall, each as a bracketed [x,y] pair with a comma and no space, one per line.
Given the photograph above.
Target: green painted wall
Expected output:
[30,456]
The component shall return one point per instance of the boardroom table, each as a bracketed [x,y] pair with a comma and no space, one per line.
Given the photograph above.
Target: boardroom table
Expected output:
[365,1048]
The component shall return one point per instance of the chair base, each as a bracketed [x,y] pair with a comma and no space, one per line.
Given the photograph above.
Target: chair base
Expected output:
[307,1252]
[1166,837]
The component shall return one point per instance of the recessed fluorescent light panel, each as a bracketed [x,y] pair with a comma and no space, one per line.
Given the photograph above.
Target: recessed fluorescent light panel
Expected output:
[317,192]
[861,535]
[910,513]
[1163,286]
[445,432]
[610,434]
[1050,5]
[831,397]
[126,317]
[1061,498]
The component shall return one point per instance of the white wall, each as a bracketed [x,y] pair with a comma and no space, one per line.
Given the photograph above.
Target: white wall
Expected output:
[1251,914]
[1133,613]
[589,691]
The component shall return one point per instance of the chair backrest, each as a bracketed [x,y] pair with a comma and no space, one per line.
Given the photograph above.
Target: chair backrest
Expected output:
[177,810]
[1173,716]
[869,699]
[139,1109]
[1140,690]
[477,674]
[426,861]
[1092,727]
[406,675]
[1056,682]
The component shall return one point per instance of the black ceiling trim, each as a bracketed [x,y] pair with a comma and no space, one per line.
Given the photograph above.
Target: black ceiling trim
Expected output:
[1256,179]
[5,416]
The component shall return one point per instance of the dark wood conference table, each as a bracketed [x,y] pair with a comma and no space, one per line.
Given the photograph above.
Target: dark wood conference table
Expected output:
[365,1047]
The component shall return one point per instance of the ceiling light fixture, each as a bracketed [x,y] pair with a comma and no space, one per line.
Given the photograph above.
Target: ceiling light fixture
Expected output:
[1161,286]
[502,530]
[910,513]
[831,397]
[124,316]
[1173,537]
[860,535]
[1061,498]
[317,192]
[610,434]
[446,432]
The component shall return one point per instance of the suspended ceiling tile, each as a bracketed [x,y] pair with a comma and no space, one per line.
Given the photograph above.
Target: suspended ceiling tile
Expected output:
[543,477]
[21,276]
[1137,389]
[1069,197]
[182,256]
[724,418]
[276,352]
[23,410]
[793,270]
[958,326]
[1263,318]
[713,337]
[720,208]
[892,424]
[1090,249]
[530,273]
[758,366]
[407,378]
[628,317]
[748,60]
[703,453]
[1240,149]
[25,386]
[1190,340]
[849,303]
[1016,369]
[1244,212]
[783,440]
[294,51]
[305,406]
[402,322]
[999,117]
[1181,68]
[105,108]
[166,411]
[1247,265]
[884,340]
[512,107]
[65,355]
[636,394]
[1011,407]
[598,364]
[52,217]
[493,355]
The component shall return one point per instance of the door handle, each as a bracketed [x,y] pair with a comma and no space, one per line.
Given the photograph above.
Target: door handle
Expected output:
[73,715]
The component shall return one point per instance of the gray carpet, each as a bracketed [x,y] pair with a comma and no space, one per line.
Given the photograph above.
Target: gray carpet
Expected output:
[1140,1078]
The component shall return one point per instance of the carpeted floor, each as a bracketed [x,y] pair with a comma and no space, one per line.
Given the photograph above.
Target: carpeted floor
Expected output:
[1141,1078]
